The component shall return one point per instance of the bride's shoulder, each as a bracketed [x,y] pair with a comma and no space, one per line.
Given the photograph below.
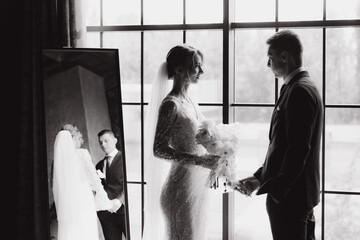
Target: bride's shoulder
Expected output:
[83,152]
[170,103]
[171,98]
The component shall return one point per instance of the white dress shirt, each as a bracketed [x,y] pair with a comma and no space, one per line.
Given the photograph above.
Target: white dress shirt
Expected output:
[292,74]
[112,155]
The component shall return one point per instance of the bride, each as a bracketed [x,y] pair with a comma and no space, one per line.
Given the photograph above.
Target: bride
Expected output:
[173,119]
[75,181]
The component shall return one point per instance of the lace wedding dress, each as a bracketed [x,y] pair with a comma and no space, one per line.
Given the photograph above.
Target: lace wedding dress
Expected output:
[90,177]
[184,194]
[75,181]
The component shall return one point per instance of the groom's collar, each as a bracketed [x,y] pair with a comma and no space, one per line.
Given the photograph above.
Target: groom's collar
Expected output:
[292,74]
[113,153]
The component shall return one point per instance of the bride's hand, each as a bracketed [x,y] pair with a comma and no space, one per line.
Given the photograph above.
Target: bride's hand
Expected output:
[116,205]
[245,186]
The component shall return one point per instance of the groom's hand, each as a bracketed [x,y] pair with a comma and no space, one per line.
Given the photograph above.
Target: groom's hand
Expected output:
[247,185]
[250,184]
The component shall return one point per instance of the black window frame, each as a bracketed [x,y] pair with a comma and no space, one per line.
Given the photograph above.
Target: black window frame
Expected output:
[228,26]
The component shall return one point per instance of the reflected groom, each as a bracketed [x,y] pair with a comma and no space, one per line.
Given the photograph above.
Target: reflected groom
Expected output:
[112,221]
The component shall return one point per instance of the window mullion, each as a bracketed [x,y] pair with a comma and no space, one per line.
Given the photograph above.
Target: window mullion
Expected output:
[228,71]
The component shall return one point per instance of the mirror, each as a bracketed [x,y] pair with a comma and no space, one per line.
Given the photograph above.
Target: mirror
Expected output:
[82,87]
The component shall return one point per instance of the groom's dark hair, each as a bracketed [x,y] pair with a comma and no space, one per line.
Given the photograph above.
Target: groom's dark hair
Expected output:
[102,132]
[289,41]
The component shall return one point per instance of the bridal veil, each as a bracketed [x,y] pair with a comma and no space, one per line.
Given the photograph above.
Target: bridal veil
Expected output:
[156,169]
[66,182]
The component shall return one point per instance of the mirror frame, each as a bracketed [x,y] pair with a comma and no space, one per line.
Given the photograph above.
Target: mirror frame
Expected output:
[120,123]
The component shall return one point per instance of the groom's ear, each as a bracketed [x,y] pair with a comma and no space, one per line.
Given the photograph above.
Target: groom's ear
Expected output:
[284,56]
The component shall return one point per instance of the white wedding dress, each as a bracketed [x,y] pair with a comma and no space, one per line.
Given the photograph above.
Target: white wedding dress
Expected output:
[184,194]
[75,182]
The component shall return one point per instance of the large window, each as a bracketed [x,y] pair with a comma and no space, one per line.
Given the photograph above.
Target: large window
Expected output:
[238,86]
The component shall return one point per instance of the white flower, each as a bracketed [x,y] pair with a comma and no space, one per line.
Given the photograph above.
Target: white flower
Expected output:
[221,140]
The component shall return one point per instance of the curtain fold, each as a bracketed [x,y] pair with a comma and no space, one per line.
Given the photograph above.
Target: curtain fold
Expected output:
[35,24]
[36,32]
[73,23]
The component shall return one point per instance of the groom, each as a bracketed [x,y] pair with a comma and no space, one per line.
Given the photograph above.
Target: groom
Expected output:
[112,221]
[290,175]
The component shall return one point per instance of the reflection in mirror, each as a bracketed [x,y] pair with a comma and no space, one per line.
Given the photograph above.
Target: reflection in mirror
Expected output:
[82,88]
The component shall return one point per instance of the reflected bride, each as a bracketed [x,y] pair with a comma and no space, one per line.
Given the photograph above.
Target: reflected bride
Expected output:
[75,180]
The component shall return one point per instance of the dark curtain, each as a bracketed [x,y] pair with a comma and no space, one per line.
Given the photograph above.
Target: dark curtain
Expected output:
[36,30]
[72,23]
[31,25]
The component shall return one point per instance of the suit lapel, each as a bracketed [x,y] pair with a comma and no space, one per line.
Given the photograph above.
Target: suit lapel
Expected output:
[100,165]
[284,95]
[276,108]
[101,168]
[114,162]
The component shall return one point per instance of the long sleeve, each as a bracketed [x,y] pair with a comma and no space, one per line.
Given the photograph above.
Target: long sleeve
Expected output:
[102,201]
[168,115]
[258,172]
[90,171]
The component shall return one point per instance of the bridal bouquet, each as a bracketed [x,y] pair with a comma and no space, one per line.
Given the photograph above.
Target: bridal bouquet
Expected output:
[222,140]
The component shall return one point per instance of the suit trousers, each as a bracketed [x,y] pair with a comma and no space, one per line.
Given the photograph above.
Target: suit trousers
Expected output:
[289,222]
[113,225]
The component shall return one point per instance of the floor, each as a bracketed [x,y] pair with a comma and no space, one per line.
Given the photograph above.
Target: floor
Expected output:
[53,231]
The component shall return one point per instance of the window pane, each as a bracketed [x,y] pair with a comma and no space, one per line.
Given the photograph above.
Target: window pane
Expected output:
[254,137]
[342,149]
[129,44]
[163,12]
[132,135]
[261,115]
[121,12]
[250,213]
[311,40]
[92,39]
[210,83]
[341,217]
[156,46]
[92,9]
[214,219]
[213,113]
[343,66]
[251,219]
[318,213]
[254,81]
[249,11]
[214,11]
[295,10]
[214,222]
[349,9]
[134,198]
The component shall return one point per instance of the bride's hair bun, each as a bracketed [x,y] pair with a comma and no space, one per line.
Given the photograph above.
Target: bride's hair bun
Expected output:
[71,128]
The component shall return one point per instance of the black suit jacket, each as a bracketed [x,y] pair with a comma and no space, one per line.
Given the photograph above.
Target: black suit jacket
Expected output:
[291,172]
[114,184]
